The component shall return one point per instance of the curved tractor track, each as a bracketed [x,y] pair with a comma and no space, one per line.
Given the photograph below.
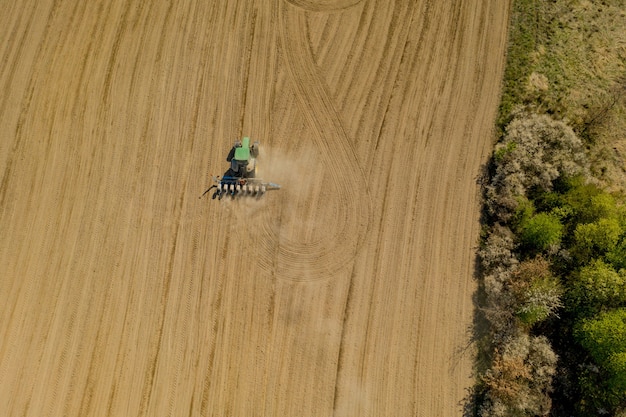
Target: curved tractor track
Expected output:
[346,180]
[346,293]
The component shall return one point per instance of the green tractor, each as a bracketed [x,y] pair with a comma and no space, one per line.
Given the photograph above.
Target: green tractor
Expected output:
[242,158]
[240,178]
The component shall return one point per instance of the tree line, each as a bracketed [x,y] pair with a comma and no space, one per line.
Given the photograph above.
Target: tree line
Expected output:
[553,278]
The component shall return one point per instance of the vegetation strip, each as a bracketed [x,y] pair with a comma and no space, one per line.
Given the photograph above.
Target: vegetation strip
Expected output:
[552,257]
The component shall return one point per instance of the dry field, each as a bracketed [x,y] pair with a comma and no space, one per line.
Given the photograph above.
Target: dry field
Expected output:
[346,293]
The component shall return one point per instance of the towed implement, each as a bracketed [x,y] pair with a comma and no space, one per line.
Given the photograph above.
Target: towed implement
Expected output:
[240,179]
[234,187]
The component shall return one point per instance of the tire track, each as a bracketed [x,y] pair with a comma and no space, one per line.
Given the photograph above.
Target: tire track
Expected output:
[15,49]
[143,312]
[324,5]
[97,395]
[315,260]
[156,344]
[27,99]
[427,230]
[55,225]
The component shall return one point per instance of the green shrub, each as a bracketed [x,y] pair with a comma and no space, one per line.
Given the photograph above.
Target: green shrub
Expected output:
[571,201]
[525,211]
[604,337]
[542,231]
[502,152]
[597,286]
[617,255]
[595,240]
[591,204]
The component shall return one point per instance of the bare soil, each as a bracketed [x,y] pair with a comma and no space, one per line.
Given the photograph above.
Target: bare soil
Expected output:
[349,292]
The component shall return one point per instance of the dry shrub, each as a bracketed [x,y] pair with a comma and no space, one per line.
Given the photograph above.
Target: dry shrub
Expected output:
[498,262]
[500,307]
[520,380]
[497,251]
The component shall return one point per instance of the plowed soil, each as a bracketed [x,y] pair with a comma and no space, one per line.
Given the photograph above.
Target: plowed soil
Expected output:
[349,292]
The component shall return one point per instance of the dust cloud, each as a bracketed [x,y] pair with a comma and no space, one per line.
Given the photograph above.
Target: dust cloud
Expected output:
[306,203]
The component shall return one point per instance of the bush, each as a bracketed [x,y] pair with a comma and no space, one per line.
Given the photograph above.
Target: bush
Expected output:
[497,250]
[591,204]
[537,291]
[500,306]
[597,286]
[498,261]
[524,211]
[535,151]
[594,240]
[604,336]
[542,231]
[520,380]
[617,255]
[569,201]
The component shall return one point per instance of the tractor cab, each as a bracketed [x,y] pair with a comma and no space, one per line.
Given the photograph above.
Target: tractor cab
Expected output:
[242,158]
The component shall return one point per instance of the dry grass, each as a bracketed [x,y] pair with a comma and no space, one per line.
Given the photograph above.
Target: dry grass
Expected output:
[572,65]
[584,62]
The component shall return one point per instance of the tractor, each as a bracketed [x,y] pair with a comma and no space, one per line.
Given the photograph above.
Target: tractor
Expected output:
[240,179]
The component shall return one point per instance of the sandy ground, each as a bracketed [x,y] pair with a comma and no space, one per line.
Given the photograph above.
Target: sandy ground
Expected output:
[346,293]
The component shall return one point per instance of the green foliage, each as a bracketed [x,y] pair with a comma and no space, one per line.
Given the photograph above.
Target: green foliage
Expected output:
[524,211]
[565,62]
[602,206]
[596,392]
[598,225]
[541,300]
[604,337]
[523,41]
[596,287]
[617,255]
[591,204]
[617,365]
[577,196]
[594,240]
[541,231]
[502,152]
[536,290]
